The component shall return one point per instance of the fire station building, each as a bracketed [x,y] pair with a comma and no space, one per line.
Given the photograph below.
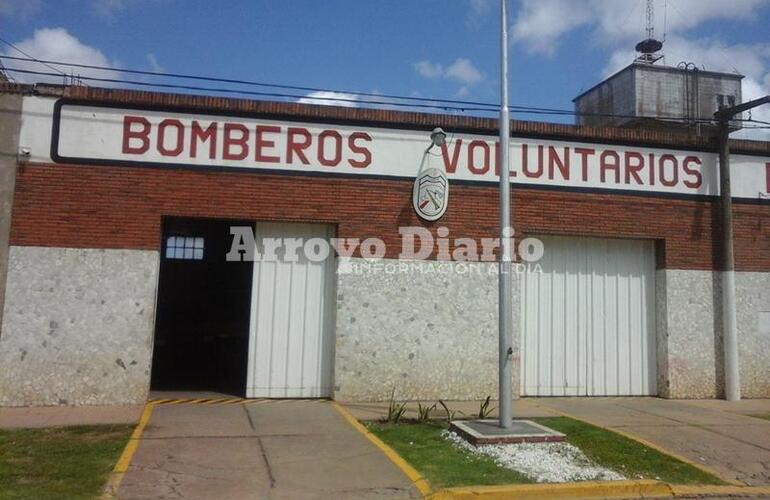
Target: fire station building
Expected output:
[119,209]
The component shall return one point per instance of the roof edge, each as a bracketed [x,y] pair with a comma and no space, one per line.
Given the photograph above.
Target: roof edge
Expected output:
[380,117]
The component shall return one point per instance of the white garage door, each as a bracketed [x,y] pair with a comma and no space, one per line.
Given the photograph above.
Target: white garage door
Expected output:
[291,334]
[589,319]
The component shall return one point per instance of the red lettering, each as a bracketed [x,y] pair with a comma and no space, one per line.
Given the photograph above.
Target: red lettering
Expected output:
[484,168]
[605,164]
[229,141]
[361,150]
[198,134]
[634,167]
[652,169]
[555,161]
[293,146]
[584,154]
[162,137]
[142,135]
[260,143]
[525,162]
[337,138]
[662,173]
[451,166]
[694,172]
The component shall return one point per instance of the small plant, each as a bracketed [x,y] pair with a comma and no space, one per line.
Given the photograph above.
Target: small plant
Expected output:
[484,409]
[450,414]
[395,410]
[423,412]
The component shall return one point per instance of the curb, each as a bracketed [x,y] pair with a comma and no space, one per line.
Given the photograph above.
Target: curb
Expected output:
[410,472]
[116,477]
[597,489]
[587,489]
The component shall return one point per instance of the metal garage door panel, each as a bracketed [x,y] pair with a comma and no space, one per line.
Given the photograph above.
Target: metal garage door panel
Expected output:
[587,319]
[291,339]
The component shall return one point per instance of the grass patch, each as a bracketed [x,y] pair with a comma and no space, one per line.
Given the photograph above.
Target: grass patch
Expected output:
[445,465]
[440,462]
[765,416]
[631,458]
[59,462]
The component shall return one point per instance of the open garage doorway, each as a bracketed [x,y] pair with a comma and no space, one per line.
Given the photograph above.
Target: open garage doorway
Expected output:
[202,322]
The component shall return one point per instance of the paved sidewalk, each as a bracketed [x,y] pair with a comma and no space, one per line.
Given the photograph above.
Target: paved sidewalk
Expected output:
[55,416]
[714,433]
[260,449]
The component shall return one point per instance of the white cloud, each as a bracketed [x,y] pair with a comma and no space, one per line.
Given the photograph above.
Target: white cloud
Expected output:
[153,62]
[56,44]
[329,98]
[461,70]
[540,23]
[108,9]
[478,11]
[427,69]
[21,9]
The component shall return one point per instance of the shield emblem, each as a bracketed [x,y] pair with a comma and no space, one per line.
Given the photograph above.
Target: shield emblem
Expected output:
[431,194]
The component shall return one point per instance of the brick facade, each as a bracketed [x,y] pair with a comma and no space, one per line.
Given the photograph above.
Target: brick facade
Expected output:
[121,207]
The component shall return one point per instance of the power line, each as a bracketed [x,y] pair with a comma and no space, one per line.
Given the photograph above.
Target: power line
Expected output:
[250,82]
[254,93]
[455,105]
[459,104]
[31,58]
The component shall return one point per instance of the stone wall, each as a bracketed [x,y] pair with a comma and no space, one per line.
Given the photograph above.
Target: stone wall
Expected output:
[78,326]
[690,350]
[752,299]
[429,332]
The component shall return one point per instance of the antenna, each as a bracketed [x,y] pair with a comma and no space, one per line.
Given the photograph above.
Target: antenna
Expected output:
[650,19]
[648,48]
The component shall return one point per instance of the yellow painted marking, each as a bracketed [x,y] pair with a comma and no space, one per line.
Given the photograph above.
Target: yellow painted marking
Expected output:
[124,461]
[415,477]
[196,401]
[595,489]
[584,489]
[232,401]
[178,401]
[160,401]
[649,444]
[216,401]
[707,490]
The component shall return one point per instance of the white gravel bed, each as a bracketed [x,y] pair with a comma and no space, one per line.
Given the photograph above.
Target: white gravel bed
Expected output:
[541,462]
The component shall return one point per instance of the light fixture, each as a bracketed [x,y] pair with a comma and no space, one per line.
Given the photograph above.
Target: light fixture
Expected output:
[438,137]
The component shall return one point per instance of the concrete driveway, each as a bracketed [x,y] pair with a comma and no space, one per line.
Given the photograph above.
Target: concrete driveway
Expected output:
[717,434]
[266,449]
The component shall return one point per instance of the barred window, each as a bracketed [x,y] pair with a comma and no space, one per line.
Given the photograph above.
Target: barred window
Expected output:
[184,247]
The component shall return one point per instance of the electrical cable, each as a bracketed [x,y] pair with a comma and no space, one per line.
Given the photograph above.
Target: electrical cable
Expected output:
[44,63]
[437,105]
[461,105]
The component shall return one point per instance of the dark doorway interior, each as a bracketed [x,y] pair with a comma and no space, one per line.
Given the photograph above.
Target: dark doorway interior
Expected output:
[202,323]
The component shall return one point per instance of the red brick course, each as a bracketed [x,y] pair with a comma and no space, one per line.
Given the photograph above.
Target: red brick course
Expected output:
[121,207]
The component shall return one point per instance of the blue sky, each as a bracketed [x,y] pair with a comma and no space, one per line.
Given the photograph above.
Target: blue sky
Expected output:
[428,48]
